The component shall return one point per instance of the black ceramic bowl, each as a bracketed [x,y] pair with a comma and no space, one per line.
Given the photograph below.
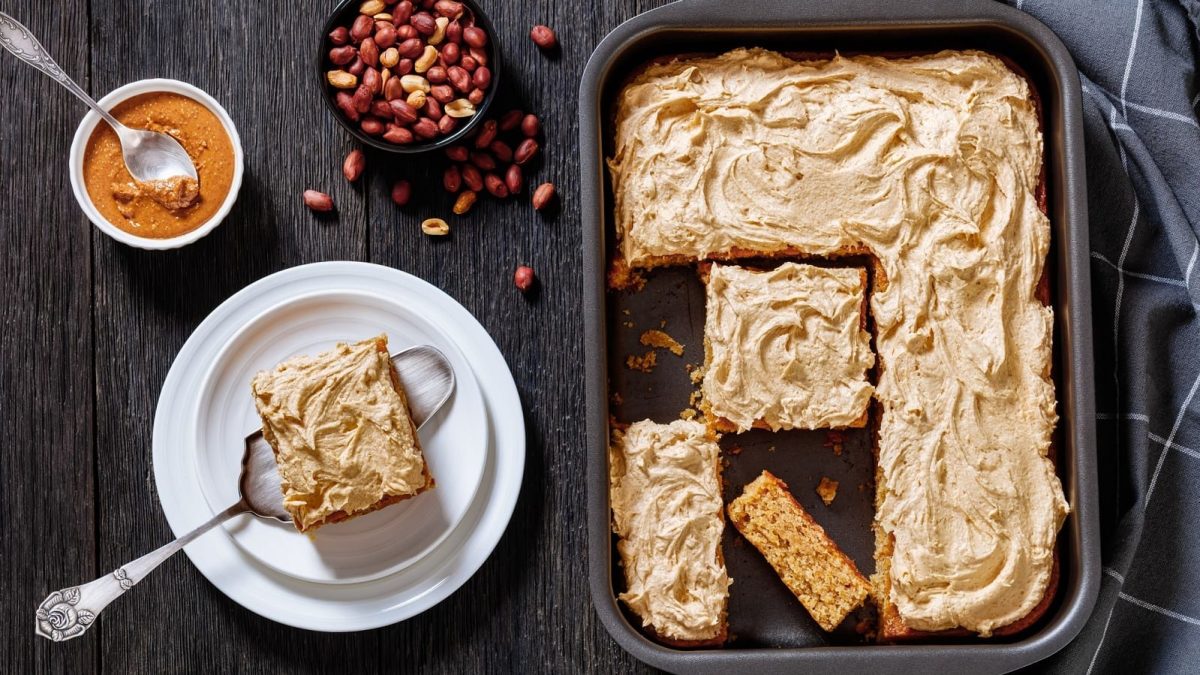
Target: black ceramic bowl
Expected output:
[343,15]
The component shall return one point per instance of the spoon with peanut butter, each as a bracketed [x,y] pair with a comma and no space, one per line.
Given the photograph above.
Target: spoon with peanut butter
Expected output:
[151,157]
[428,381]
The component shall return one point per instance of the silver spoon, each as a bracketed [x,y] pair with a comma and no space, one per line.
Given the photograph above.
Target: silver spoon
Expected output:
[428,381]
[149,155]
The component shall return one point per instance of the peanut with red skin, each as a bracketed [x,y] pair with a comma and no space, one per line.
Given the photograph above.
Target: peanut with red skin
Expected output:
[381,108]
[543,195]
[483,161]
[368,51]
[502,152]
[410,49]
[475,97]
[447,125]
[468,63]
[406,32]
[450,53]
[340,56]
[525,151]
[339,36]
[398,135]
[442,93]
[318,201]
[459,78]
[531,125]
[524,278]
[404,67]
[448,8]
[372,80]
[511,120]
[495,185]
[452,179]
[456,153]
[543,36]
[362,98]
[362,28]
[487,134]
[401,192]
[402,111]
[425,128]
[393,90]
[345,102]
[472,178]
[385,36]
[482,77]
[433,109]
[372,126]
[402,12]
[513,179]
[424,23]
[454,32]
[480,55]
[355,164]
[474,36]
[356,66]
[436,74]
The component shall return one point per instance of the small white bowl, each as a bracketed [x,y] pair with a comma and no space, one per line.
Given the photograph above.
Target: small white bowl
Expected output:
[88,125]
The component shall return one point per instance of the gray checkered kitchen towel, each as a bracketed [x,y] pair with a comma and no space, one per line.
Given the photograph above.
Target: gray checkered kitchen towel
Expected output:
[1138,61]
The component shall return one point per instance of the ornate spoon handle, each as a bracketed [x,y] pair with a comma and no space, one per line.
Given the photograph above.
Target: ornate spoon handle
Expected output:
[70,612]
[17,39]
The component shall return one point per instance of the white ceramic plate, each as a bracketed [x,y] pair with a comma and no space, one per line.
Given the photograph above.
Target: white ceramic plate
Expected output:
[373,545]
[342,606]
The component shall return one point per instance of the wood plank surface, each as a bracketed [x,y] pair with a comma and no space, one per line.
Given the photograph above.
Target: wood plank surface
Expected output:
[91,328]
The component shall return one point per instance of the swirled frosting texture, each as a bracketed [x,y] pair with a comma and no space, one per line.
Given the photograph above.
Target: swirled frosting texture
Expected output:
[342,433]
[932,164]
[668,515]
[786,348]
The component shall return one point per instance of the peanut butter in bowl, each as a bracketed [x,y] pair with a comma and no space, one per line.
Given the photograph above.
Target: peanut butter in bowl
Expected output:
[167,208]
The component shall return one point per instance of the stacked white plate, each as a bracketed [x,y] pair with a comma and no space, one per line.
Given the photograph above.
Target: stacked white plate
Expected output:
[385,566]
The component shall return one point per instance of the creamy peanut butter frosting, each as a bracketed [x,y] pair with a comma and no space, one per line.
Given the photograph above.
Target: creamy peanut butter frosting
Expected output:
[786,346]
[667,512]
[342,433]
[931,163]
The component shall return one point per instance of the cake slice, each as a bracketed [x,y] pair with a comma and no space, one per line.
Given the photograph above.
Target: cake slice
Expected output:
[822,578]
[786,348]
[667,515]
[342,433]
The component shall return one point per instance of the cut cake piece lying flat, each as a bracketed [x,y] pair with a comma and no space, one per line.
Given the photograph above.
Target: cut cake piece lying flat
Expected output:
[786,348]
[819,574]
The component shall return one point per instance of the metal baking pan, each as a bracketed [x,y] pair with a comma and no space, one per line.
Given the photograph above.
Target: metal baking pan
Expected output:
[772,632]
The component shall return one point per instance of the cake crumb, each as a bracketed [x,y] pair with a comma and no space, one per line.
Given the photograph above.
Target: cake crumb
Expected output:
[659,339]
[625,312]
[735,450]
[771,449]
[827,489]
[687,414]
[644,363]
[696,374]
[662,324]
[627,324]
[835,440]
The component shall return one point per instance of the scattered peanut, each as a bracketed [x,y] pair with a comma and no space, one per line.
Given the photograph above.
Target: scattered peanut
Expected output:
[465,201]
[401,192]
[435,227]
[355,164]
[524,278]
[543,195]
[543,36]
[318,201]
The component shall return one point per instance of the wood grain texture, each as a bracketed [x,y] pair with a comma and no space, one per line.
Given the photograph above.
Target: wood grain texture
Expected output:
[93,326]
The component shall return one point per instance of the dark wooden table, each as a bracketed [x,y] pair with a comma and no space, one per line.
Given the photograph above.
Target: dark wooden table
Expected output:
[90,328]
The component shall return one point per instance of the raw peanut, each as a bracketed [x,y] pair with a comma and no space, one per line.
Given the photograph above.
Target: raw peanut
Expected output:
[482,77]
[439,33]
[424,23]
[426,60]
[362,98]
[459,78]
[495,185]
[444,94]
[452,179]
[368,51]
[339,36]
[468,63]
[472,178]
[454,32]
[345,102]
[340,56]
[525,151]
[514,180]
[483,161]
[531,125]
[456,153]
[404,67]
[385,35]
[425,128]
[410,49]
[406,32]
[372,7]
[372,126]
[475,97]
[487,134]
[401,192]
[511,120]
[446,125]
[450,53]
[398,135]
[501,150]
[480,56]
[524,278]
[341,79]
[433,109]
[448,8]
[390,57]
[318,201]
[412,83]
[402,111]
[393,89]
[372,80]
[474,36]
[465,201]
[356,66]
[381,108]
[416,99]
[355,164]
[543,36]
[362,28]
[402,12]
[436,75]
[543,195]
[435,227]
